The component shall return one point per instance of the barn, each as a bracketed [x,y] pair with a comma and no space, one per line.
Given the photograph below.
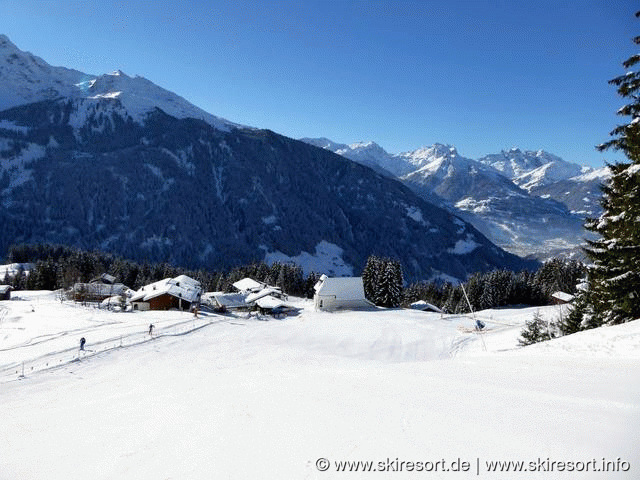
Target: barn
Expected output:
[339,293]
[97,292]
[561,298]
[179,293]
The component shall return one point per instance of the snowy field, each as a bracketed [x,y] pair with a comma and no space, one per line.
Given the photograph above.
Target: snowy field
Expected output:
[242,398]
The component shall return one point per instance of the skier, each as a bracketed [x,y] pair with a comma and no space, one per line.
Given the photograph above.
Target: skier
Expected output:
[82,342]
[479,324]
[151,329]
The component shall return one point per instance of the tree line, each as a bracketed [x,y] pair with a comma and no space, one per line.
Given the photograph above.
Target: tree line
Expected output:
[59,267]
[500,288]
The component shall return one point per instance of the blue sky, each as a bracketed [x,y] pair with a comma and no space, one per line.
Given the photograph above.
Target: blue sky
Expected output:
[480,75]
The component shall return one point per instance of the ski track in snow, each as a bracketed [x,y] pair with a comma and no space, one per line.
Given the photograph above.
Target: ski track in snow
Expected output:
[239,397]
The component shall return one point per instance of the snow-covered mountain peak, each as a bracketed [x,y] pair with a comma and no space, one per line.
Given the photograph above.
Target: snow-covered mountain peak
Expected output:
[514,163]
[6,44]
[373,155]
[589,174]
[370,147]
[432,158]
[323,142]
[140,96]
[437,150]
[548,173]
[25,78]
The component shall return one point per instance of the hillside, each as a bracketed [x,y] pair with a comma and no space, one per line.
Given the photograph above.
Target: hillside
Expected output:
[529,203]
[244,398]
[119,164]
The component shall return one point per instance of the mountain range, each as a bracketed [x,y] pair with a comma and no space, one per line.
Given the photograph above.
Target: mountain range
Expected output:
[118,163]
[532,203]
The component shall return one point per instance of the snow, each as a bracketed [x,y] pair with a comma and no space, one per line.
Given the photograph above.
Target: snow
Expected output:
[422,305]
[632,170]
[552,172]
[241,398]
[563,296]
[270,302]
[476,206]
[12,269]
[464,246]
[18,165]
[182,286]
[265,292]
[140,96]
[8,125]
[136,94]
[598,174]
[416,215]
[247,285]
[516,164]
[326,259]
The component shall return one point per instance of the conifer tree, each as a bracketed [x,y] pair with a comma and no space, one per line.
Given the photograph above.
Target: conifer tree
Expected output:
[370,275]
[382,281]
[573,322]
[536,330]
[614,277]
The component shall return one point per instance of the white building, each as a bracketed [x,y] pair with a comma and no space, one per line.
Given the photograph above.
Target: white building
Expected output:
[339,293]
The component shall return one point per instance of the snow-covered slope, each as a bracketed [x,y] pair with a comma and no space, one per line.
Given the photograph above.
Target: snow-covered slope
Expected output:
[546,175]
[242,398]
[498,207]
[25,78]
[140,96]
[514,162]
[528,202]
[366,153]
[441,169]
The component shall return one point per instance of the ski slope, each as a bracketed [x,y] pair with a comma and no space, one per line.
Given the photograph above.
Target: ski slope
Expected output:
[244,398]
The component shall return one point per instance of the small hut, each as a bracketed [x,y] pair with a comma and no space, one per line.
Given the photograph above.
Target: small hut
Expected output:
[561,298]
[5,292]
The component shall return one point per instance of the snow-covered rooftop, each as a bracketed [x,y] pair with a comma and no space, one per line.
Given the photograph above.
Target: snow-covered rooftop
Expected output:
[181,287]
[345,288]
[270,302]
[228,300]
[248,284]
[263,293]
[422,305]
[562,296]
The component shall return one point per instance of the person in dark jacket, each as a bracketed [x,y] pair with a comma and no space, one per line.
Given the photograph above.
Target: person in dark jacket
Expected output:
[151,329]
[82,342]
